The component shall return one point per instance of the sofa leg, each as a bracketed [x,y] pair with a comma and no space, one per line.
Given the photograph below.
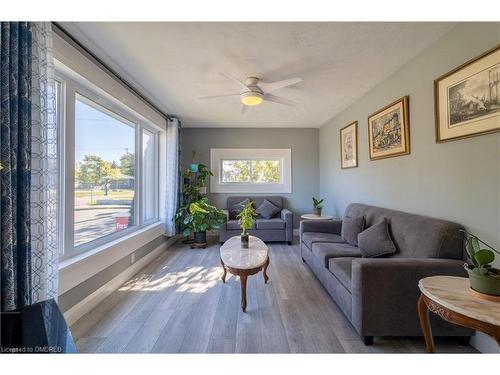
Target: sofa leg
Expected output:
[367,340]
[303,260]
[463,340]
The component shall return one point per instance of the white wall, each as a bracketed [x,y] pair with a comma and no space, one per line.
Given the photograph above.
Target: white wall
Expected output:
[457,181]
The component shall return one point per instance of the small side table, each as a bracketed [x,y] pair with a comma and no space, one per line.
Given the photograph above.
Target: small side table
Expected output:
[450,297]
[316,217]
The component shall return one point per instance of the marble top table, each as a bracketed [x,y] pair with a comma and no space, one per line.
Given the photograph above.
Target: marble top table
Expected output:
[244,262]
[450,297]
[316,217]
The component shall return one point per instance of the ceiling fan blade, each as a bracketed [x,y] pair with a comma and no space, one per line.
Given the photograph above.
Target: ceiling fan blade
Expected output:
[280,100]
[273,86]
[234,79]
[217,96]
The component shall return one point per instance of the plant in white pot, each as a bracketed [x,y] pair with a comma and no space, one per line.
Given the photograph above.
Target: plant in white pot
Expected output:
[483,277]
[317,206]
[246,219]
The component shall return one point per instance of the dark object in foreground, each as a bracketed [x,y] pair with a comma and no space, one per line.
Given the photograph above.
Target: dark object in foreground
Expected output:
[38,328]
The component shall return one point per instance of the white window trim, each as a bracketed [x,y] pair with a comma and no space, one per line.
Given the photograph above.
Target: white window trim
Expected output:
[282,154]
[72,83]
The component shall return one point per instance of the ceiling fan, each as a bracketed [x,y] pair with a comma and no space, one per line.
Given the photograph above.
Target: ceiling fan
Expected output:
[253,91]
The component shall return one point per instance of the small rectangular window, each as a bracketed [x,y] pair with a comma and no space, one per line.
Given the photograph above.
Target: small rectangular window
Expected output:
[104,172]
[251,170]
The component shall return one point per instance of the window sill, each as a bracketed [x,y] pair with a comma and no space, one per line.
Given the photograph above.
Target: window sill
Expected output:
[80,267]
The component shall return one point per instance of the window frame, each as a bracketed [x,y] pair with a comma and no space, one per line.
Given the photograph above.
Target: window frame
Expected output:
[218,155]
[71,85]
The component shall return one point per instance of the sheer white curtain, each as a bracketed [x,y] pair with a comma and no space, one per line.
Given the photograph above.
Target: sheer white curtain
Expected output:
[172,174]
[44,167]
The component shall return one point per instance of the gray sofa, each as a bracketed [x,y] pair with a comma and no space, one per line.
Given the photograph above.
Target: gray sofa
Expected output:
[379,295]
[278,228]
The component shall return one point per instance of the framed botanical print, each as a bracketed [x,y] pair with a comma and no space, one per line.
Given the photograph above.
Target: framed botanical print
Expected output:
[467,99]
[389,130]
[349,146]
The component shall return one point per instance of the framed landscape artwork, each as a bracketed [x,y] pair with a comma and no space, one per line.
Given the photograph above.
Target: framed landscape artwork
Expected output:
[467,99]
[389,130]
[349,146]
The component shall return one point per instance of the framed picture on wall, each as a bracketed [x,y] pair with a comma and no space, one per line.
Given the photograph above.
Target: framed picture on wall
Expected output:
[467,99]
[349,146]
[389,130]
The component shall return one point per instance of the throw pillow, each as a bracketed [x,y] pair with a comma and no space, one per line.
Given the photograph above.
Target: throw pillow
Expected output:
[267,209]
[376,241]
[351,227]
[236,209]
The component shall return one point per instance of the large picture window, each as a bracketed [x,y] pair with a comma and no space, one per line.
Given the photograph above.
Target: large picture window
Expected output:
[110,178]
[251,170]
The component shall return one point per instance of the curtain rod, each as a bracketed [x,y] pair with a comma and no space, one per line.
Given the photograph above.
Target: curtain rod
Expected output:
[62,32]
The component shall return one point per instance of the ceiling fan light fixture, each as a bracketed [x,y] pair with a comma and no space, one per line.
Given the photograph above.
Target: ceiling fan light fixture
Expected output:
[252,98]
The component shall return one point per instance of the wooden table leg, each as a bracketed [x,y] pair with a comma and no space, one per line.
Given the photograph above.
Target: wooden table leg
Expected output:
[243,282]
[264,272]
[423,315]
[224,271]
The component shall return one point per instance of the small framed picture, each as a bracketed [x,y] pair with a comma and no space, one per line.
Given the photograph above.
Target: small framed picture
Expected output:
[389,130]
[467,99]
[349,146]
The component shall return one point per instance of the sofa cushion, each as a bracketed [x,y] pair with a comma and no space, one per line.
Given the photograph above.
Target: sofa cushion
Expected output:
[325,251]
[341,269]
[308,238]
[234,225]
[276,223]
[351,227]
[267,210]
[236,209]
[376,241]
[415,236]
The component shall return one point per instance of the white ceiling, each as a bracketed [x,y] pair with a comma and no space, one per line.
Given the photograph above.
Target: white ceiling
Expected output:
[175,63]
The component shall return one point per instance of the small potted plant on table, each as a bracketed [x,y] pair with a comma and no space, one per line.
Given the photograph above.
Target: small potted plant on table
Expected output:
[317,206]
[483,277]
[246,219]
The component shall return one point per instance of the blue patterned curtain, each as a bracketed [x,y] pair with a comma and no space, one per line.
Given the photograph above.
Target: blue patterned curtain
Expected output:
[28,156]
[15,159]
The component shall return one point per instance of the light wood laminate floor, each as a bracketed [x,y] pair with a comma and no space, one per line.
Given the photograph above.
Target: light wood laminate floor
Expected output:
[178,304]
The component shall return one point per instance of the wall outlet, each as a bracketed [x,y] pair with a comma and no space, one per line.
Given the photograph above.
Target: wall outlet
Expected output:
[132,258]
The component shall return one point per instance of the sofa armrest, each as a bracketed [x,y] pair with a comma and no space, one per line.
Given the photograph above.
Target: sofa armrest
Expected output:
[322,226]
[226,212]
[287,216]
[385,292]
[223,236]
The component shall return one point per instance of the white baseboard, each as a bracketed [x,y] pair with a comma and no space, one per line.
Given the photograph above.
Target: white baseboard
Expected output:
[484,343]
[92,300]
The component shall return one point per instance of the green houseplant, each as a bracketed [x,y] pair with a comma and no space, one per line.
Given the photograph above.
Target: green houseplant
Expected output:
[317,205]
[246,219]
[193,189]
[484,278]
[199,217]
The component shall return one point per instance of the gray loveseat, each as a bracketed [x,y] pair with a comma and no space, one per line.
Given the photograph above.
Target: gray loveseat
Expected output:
[379,295]
[278,228]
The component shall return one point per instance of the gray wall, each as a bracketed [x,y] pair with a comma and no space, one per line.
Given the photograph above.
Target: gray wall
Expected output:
[303,142]
[75,295]
[457,180]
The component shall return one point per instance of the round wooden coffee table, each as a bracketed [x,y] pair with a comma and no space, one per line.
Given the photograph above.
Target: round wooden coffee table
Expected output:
[244,262]
[451,298]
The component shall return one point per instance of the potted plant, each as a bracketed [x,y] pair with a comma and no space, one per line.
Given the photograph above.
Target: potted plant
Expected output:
[317,206]
[483,277]
[246,219]
[199,217]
